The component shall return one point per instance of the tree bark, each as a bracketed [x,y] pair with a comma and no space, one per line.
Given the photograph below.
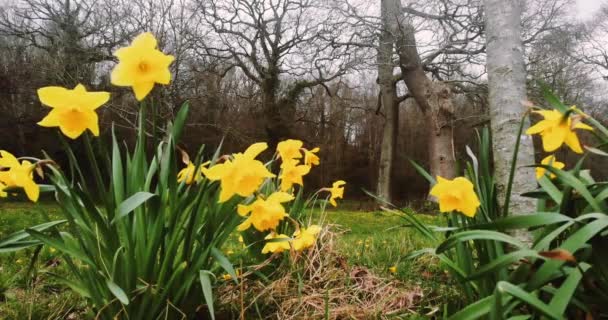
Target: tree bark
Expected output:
[507,86]
[442,157]
[388,102]
[433,98]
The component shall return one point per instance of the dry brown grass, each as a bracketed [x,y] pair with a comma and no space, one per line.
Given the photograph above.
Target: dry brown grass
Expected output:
[319,284]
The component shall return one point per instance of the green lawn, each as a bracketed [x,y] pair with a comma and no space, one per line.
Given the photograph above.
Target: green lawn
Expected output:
[377,240]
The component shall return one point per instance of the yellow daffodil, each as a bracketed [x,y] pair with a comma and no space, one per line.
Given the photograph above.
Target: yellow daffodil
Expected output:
[289,149]
[141,65]
[457,194]
[549,161]
[393,269]
[226,277]
[292,173]
[556,129]
[278,243]
[310,158]
[73,111]
[264,214]
[188,175]
[242,175]
[337,192]
[20,175]
[305,238]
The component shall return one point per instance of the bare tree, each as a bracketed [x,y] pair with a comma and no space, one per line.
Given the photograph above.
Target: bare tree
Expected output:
[284,46]
[77,33]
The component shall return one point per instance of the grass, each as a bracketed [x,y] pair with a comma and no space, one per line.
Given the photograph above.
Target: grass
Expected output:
[376,240]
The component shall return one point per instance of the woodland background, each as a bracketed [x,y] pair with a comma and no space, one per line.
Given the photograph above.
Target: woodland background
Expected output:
[262,70]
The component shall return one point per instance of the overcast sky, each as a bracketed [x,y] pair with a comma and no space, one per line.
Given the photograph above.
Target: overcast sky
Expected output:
[586,8]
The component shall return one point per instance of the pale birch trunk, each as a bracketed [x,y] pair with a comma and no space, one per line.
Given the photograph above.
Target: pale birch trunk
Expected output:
[388,100]
[507,86]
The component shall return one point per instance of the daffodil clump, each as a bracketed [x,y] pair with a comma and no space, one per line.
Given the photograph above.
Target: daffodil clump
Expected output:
[558,128]
[265,194]
[143,234]
[537,263]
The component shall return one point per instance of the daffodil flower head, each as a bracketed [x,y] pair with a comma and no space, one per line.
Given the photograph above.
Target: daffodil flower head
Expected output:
[292,173]
[457,194]
[242,175]
[20,175]
[556,129]
[278,243]
[141,65]
[549,161]
[189,175]
[73,110]
[305,237]
[289,149]
[337,192]
[393,269]
[264,214]
[310,158]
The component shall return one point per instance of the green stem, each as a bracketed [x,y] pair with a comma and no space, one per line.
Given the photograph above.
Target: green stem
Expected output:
[505,211]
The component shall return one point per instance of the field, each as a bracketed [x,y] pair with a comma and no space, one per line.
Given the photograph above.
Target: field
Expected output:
[373,240]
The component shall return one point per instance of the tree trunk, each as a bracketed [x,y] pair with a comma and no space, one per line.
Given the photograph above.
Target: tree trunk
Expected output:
[507,86]
[434,99]
[442,158]
[388,101]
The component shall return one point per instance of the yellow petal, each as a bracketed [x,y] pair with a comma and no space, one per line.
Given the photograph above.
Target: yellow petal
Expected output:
[539,127]
[51,119]
[92,124]
[255,149]
[53,97]
[540,172]
[121,75]
[554,138]
[333,202]
[583,126]
[571,141]
[32,190]
[280,197]
[142,89]
[225,194]
[217,171]
[95,99]
[245,225]
[243,210]
[8,160]
[145,40]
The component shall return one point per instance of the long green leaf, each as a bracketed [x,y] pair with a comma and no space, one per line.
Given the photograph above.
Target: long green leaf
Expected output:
[528,298]
[207,291]
[502,262]
[465,236]
[524,221]
[224,263]
[476,310]
[117,292]
[20,235]
[563,295]
[132,203]
[60,245]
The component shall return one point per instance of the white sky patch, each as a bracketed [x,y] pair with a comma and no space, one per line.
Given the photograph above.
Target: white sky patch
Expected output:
[587,8]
